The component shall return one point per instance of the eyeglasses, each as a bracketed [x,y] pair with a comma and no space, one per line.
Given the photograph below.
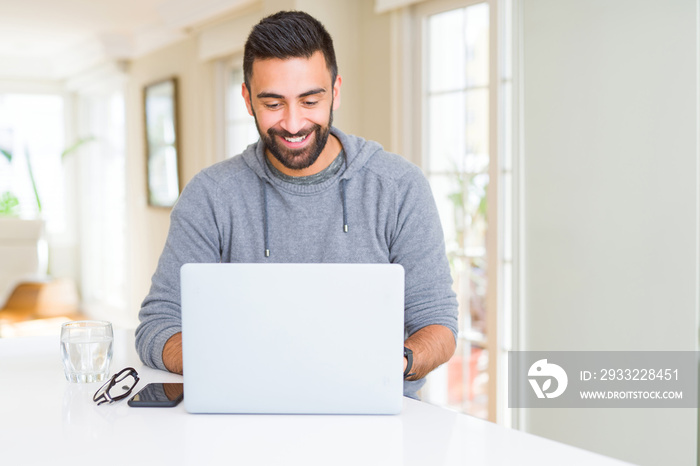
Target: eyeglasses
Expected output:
[118,387]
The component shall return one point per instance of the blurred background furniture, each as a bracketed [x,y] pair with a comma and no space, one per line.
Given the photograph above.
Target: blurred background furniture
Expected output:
[39,307]
[41,299]
[29,298]
[23,253]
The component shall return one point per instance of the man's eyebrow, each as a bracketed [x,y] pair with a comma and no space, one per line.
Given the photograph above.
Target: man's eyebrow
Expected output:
[272,95]
[269,95]
[319,90]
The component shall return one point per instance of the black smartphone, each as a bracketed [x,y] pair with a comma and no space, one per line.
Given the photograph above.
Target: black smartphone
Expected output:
[158,395]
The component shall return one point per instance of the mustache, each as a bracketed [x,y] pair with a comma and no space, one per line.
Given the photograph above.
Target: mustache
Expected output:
[286,134]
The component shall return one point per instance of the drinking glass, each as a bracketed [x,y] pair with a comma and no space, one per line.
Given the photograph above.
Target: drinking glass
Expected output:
[86,347]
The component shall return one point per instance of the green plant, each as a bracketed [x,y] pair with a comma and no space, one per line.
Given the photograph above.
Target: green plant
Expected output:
[76,145]
[6,154]
[467,213]
[31,177]
[9,202]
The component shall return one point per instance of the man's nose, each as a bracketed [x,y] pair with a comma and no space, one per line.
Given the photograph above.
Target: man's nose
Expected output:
[293,120]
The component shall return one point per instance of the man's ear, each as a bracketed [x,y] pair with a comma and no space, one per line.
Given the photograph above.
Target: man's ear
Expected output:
[336,92]
[246,96]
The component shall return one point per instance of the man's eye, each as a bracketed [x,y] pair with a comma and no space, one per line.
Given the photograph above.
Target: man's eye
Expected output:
[310,103]
[272,106]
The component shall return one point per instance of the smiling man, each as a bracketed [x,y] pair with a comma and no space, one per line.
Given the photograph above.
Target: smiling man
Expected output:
[295,128]
[306,192]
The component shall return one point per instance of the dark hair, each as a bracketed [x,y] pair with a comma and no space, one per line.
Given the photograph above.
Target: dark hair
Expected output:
[288,34]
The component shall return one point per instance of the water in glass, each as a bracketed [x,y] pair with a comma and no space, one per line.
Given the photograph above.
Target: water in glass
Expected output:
[86,348]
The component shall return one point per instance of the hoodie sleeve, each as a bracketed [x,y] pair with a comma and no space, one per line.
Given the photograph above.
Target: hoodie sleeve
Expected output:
[193,237]
[418,244]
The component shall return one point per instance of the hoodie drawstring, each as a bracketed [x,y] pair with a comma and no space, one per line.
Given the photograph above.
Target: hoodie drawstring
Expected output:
[345,208]
[265,222]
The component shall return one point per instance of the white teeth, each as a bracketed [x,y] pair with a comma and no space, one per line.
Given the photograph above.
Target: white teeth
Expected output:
[297,139]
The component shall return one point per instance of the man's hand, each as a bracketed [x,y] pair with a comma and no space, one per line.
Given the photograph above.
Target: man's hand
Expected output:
[432,345]
[172,353]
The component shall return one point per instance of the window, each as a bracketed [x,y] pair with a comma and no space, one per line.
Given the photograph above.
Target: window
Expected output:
[463,91]
[102,205]
[32,132]
[80,186]
[239,127]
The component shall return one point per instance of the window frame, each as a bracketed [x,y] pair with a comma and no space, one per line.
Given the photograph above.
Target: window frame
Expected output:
[223,70]
[499,302]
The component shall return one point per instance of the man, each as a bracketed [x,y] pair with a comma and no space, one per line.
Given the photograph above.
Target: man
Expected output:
[306,192]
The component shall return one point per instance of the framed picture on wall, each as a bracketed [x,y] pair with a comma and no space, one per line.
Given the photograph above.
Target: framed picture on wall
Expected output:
[162,158]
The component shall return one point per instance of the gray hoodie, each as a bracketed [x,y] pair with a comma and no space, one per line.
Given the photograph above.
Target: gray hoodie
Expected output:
[378,209]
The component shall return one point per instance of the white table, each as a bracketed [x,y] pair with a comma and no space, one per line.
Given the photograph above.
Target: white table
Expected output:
[46,420]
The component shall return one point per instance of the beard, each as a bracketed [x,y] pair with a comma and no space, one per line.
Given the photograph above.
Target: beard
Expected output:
[296,159]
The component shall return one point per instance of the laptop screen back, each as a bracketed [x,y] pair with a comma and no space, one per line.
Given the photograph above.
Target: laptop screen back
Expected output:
[293,338]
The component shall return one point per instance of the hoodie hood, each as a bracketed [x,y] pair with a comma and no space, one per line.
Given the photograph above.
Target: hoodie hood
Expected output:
[357,150]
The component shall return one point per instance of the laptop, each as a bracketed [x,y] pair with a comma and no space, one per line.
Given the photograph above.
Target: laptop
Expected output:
[293,338]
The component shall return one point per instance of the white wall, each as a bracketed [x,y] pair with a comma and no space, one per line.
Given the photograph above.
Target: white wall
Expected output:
[610,99]
[148,226]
